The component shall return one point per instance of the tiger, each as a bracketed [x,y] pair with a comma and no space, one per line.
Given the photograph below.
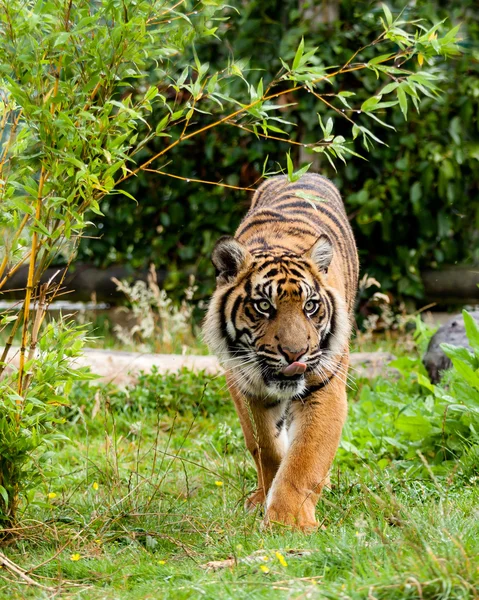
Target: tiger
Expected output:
[280,321]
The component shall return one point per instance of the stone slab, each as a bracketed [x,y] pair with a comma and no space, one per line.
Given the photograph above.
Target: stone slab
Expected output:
[123,368]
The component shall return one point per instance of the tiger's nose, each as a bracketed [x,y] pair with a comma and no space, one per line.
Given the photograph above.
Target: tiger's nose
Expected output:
[292,355]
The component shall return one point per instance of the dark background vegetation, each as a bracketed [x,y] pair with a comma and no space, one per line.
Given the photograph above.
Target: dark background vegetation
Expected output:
[413,205]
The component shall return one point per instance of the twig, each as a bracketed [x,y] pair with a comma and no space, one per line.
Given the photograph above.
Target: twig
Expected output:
[189,179]
[11,566]
[28,294]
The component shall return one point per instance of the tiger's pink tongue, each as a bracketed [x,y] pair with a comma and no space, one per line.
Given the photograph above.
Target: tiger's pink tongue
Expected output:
[296,368]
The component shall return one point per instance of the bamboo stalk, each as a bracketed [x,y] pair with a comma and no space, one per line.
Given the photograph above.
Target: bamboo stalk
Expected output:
[15,238]
[29,289]
[39,316]
[9,343]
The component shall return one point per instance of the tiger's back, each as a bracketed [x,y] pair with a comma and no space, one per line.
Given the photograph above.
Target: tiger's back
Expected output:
[288,217]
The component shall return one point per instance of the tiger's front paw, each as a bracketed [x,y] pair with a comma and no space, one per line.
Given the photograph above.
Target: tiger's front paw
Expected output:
[289,507]
[298,518]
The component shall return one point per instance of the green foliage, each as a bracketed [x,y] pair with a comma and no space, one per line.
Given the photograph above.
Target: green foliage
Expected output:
[144,496]
[29,422]
[395,418]
[409,202]
[167,394]
[69,131]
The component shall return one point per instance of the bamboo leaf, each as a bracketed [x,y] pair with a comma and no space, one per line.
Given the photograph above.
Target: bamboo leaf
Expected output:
[401,94]
[298,55]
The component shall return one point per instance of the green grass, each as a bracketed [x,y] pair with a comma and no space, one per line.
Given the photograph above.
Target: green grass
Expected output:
[151,486]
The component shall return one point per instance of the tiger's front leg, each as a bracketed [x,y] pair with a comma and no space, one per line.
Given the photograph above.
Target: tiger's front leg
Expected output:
[265,439]
[314,436]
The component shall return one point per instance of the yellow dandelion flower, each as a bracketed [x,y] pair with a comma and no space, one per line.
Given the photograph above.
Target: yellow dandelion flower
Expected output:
[264,568]
[98,542]
[52,495]
[280,557]
[75,557]
[95,486]
[162,562]
[265,558]
[219,483]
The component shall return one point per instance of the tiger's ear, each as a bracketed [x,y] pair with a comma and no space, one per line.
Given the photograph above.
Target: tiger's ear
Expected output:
[229,258]
[321,253]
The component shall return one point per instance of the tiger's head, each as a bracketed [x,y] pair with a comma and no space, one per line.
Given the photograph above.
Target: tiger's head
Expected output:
[274,321]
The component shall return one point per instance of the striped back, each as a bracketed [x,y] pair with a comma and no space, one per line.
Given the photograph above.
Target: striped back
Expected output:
[287,218]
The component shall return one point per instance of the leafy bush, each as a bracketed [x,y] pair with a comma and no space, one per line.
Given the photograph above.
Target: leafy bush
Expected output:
[409,203]
[29,421]
[395,418]
[69,130]
[184,393]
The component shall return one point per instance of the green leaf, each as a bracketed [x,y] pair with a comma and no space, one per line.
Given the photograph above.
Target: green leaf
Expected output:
[292,174]
[416,426]
[380,59]
[390,87]
[4,494]
[402,101]
[290,167]
[387,14]
[298,55]
[300,172]
[162,124]
[376,118]
[472,329]
[20,204]
[458,353]
[62,38]
[370,103]
[424,382]
[310,197]
[125,193]
[151,93]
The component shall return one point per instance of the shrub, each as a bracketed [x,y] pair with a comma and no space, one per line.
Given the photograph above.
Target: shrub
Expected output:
[397,417]
[409,203]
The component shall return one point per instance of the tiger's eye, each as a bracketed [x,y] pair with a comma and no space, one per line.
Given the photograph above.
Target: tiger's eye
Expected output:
[263,305]
[310,306]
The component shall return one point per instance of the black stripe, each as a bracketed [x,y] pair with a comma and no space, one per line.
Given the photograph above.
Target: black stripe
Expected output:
[316,187]
[280,423]
[257,223]
[224,301]
[264,192]
[234,310]
[332,320]
[273,404]
[315,388]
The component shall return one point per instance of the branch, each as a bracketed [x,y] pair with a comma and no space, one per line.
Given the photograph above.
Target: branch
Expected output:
[188,180]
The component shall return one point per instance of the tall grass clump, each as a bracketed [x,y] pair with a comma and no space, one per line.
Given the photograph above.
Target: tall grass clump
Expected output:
[157,323]
[78,84]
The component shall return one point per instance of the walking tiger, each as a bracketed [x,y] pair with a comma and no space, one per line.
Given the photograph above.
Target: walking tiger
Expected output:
[280,321]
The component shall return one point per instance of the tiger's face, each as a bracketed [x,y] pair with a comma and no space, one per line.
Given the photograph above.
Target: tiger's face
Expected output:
[273,321]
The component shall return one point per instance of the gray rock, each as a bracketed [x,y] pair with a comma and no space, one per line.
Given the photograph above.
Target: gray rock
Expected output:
[453,332]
